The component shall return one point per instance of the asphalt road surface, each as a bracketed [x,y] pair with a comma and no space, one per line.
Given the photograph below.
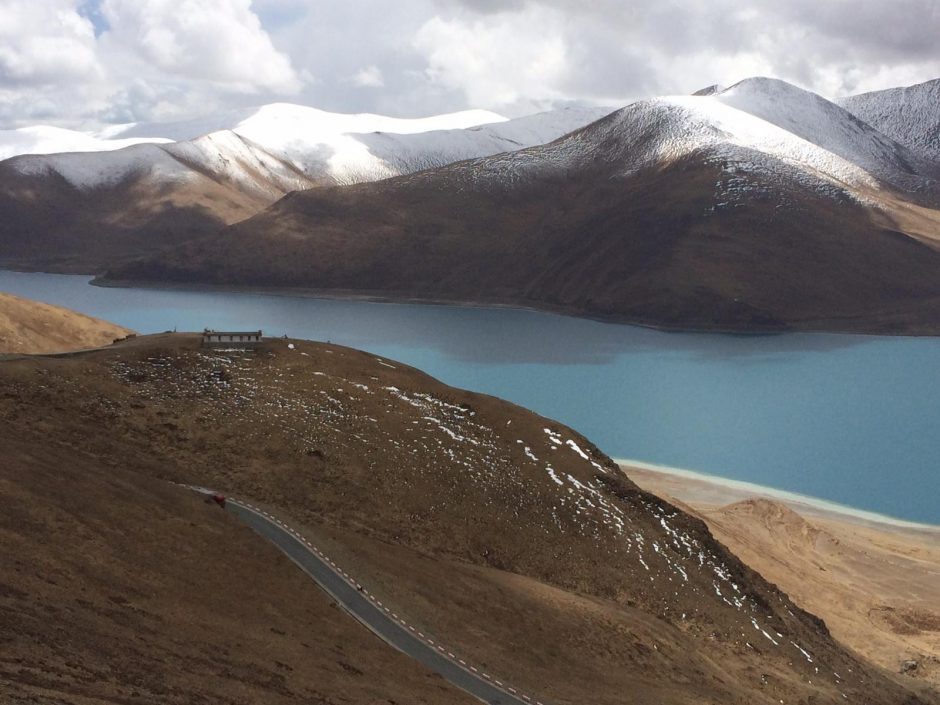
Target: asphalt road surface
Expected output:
[374,615]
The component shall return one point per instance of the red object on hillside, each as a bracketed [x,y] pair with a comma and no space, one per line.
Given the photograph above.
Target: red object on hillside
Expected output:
[217,498]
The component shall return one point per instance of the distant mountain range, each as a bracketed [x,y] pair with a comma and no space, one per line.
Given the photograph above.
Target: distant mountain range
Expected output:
[756,207]
[81,209]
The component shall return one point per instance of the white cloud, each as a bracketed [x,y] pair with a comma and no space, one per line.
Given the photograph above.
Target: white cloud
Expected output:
[173,59]
[497,60]
[46,43]
[369,77]
[220,42]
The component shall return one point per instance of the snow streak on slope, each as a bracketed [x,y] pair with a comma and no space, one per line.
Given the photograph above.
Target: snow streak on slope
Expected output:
[909,115]
[232,157]
[222,156]
[43,139]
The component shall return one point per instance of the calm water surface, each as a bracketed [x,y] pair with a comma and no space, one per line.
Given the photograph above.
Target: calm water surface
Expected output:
[851,419]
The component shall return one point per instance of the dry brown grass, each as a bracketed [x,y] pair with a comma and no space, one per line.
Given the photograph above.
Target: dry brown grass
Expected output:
[33,327]
[459,529]
[876,585]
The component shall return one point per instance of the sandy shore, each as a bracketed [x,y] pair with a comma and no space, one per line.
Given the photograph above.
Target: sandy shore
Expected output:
[875,580]
[700,489]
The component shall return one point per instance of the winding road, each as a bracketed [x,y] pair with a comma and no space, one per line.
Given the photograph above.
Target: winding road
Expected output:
[370,611]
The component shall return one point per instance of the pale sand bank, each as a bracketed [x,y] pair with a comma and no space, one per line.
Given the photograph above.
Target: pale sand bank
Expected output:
[700,488]
[875,580]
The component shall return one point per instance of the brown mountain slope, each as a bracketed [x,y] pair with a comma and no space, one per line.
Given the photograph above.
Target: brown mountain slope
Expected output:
[33,327]
[77,212]
[115,588]
[648,247]
[875,584]
[504,534]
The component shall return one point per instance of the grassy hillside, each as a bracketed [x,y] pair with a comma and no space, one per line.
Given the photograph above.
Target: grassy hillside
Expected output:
[116,588]
[32,327]
[504,534]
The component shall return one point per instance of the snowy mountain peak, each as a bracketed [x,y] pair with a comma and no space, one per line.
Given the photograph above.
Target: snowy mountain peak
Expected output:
[710,90]
[910,115]
[45,139]
[263,123]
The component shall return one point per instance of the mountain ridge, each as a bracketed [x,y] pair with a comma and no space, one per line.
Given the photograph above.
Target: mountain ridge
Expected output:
[909,114]
[644,216]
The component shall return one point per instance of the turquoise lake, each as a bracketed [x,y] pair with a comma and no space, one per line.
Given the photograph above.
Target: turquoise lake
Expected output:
[846,418]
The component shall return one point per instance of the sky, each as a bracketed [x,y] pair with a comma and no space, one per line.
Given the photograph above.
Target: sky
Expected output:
[85,63]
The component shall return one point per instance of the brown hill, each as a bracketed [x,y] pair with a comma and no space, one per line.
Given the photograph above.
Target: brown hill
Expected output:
[116,588]
[33,327]
[715,237]
[505,534]
[875,584]
[77,212]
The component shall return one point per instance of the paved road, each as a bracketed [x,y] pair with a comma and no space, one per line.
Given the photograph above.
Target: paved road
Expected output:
[374,615]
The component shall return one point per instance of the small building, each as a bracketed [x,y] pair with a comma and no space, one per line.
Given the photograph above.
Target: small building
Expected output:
[214,338]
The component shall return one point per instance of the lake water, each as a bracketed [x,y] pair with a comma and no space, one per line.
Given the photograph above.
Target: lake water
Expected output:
[850,419]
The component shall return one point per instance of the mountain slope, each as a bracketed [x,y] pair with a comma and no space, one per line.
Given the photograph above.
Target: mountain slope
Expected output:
[80,212]
[119,588]
[44,139]
[365,147]
[32,327]
[832,129]
[681,212]
[507,536]
[73,211]
[910,115]
[874,583]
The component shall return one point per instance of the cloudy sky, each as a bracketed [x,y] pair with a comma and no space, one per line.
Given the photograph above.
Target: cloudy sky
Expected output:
[85,62]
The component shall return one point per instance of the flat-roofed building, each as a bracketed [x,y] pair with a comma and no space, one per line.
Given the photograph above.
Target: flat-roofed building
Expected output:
[215,338]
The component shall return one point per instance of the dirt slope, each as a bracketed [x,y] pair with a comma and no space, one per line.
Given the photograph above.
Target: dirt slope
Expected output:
[504,534]
[876,585]
[76,212]
[115,588]
[32,327]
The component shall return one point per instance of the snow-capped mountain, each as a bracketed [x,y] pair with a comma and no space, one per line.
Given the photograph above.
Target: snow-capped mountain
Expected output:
[225,175]
[222,156]
[44,139]
[318,145]
[762,125]
[760,206]
[366,147]
[910,115]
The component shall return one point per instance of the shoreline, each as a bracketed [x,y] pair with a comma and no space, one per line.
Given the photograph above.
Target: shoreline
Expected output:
[732,491]
[817,327]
